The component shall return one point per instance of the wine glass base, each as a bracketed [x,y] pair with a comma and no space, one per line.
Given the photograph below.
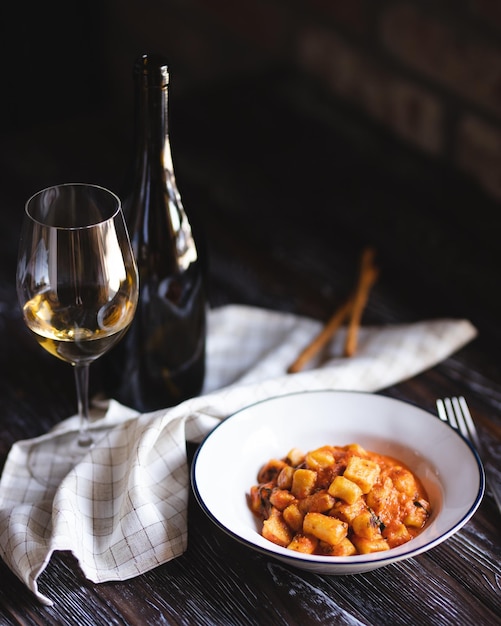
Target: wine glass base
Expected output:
[49,461]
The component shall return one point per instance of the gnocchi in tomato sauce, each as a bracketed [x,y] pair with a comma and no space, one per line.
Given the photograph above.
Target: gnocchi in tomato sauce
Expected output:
[338,501]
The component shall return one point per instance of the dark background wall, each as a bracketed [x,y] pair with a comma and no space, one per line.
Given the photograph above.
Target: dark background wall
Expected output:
[427,71]
[387,112]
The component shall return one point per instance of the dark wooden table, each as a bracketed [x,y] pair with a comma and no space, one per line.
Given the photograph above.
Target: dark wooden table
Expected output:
[288,187]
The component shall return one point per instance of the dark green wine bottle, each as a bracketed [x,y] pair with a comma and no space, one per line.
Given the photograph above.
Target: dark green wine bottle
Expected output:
[161,359]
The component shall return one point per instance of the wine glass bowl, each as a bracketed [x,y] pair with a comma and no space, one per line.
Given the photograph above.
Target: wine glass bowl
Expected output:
[77,279]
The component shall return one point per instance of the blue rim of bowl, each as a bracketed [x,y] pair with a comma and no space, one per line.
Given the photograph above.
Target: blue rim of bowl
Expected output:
[377,558]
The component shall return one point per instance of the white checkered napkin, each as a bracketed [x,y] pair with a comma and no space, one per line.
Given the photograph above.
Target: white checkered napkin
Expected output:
[123,509]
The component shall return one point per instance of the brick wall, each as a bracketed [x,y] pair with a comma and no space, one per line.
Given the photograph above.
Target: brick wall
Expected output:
[427,70]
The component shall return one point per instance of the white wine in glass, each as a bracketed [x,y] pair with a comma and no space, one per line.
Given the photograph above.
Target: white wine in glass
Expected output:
[77,281]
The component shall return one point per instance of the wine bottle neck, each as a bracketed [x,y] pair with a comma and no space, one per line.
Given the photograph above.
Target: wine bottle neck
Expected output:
[152,129]
[154,197]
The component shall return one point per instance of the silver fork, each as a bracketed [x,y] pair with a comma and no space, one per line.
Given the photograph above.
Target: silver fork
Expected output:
[455,411]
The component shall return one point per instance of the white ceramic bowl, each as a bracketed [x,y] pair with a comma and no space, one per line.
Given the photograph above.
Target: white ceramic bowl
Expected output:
[226,465]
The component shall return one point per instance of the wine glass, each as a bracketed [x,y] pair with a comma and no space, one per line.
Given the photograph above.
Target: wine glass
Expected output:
[77,284]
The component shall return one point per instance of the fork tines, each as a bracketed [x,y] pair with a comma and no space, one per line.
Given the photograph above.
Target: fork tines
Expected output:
[456,412]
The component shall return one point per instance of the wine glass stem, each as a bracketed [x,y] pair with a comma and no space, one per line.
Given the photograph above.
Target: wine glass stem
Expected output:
[82,383]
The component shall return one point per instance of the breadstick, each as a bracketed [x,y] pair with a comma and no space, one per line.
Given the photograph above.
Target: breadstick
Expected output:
[323,336]
[367,277]
[352,307]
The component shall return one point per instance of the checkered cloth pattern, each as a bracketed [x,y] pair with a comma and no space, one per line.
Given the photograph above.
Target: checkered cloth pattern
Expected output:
[122,510]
